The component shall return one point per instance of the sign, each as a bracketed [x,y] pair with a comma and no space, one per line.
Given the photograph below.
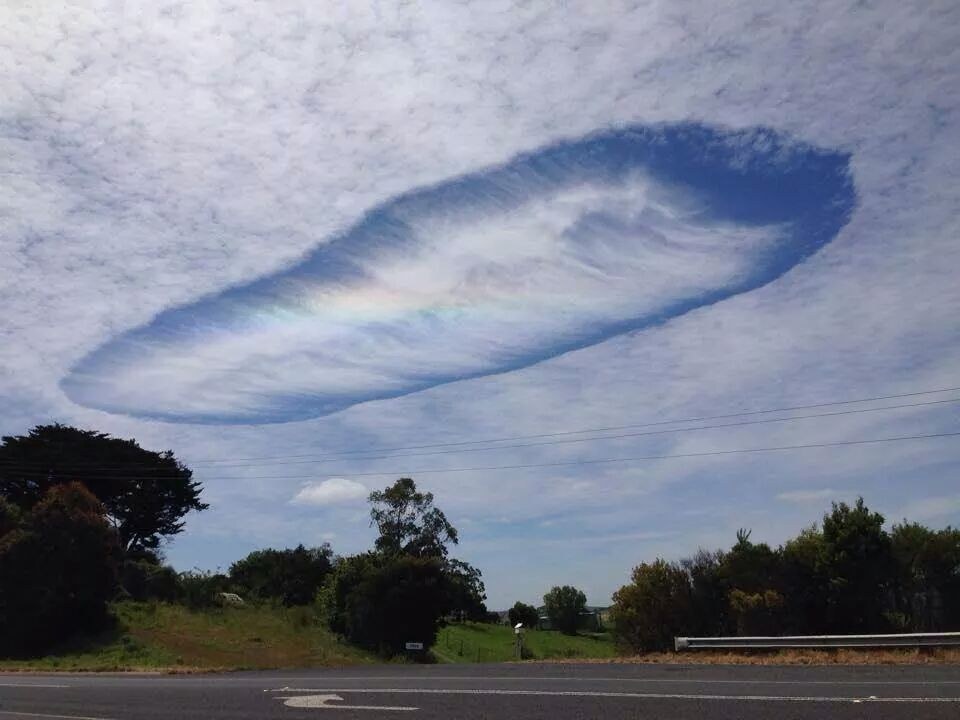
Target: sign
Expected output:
[414,646]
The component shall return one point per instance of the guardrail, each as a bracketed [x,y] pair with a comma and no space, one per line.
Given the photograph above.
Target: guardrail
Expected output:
[903,640]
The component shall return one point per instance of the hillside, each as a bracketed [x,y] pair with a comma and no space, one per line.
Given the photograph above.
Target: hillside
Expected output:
[154,636]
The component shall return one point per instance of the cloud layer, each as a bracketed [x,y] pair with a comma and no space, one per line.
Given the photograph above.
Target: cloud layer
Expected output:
[556,250]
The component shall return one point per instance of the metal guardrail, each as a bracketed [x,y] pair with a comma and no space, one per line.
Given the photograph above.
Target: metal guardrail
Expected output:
[903,640]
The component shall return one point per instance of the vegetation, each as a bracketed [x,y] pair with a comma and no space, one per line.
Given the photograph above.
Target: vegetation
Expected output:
[846,575]
[523,613]
[57,569]
[291,576]
[402,590]
[564,606]
[477,642]
[151,636]
[145,494]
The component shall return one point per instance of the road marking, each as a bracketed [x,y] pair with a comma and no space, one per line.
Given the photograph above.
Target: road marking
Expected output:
[39,685]
[665,681]
[322,701]
[637,696]
[47,715]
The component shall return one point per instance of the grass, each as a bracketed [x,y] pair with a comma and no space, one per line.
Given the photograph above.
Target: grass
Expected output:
[473,642]
[162,637]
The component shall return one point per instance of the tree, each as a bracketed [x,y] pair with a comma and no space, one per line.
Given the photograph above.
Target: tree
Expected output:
[805,584]
[653,608]
[383,601]
[564,606]
[467,593]
[927,575]
[58,569]
[291,576]
[523,613]
[408,522]
[858,561]
[708,592]
[146,494]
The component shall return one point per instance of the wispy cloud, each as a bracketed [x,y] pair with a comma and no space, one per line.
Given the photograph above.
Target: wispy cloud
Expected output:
[811,496]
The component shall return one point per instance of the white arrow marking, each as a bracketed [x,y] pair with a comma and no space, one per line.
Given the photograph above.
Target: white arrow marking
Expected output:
[322,701]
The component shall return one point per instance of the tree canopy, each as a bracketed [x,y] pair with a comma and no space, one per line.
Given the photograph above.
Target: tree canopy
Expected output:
[564,606]
[408,522]
[146,494]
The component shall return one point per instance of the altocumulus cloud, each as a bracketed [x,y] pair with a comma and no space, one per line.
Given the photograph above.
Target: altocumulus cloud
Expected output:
[557,250]
[330,492]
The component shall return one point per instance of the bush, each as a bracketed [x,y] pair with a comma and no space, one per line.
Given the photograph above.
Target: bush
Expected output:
[523,613]
[145,580]
[58,569]
[199,589]
[291,576]
[564,606]
[652,609]
[381,602]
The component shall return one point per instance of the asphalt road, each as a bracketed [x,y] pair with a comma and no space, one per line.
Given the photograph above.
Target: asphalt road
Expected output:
[528,691]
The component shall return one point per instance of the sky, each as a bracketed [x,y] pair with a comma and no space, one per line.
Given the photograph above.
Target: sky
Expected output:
[312,247]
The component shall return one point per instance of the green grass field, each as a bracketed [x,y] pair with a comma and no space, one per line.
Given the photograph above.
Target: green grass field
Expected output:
[472,642]
[157,636]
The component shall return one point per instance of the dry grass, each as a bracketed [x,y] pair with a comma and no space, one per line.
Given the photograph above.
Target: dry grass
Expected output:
[938,656]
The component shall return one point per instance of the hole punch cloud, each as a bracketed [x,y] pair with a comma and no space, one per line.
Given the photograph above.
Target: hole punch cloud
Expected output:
[555,250]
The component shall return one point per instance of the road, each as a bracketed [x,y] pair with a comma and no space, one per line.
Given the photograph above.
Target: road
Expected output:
[528,691]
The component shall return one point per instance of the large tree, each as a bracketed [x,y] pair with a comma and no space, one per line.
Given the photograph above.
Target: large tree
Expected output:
[408,522]
[145,494]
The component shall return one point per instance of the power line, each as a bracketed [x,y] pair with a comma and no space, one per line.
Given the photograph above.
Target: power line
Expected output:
[39,468]
[612,428]
[367,454]
[565,463]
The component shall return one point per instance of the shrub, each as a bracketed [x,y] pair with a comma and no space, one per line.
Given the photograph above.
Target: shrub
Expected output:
[653,608]
[58,569]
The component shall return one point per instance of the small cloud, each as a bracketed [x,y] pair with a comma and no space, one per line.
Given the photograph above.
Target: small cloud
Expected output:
[806,496]
[330,492]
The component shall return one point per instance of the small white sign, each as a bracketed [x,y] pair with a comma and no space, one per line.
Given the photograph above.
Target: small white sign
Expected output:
[414,646]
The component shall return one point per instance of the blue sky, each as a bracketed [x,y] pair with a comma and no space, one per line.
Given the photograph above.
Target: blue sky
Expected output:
[310,229]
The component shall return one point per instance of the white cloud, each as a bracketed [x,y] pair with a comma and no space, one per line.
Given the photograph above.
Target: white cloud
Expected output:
[810,496]
[334,491]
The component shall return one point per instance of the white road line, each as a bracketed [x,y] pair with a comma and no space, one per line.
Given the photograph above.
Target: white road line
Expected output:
[637,696]
[39,685]
[665,681]
[47,715]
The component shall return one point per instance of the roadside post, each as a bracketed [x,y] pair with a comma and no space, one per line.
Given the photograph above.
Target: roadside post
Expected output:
[518,632]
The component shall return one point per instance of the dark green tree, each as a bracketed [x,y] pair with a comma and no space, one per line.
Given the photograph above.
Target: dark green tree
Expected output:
[408,522]
[381,602]
[805,584]
[467,592]
[523,613]
[927,576]
[708,593]
[58,569]
[146,494]
[291,576]
[859,563]
[564,606]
